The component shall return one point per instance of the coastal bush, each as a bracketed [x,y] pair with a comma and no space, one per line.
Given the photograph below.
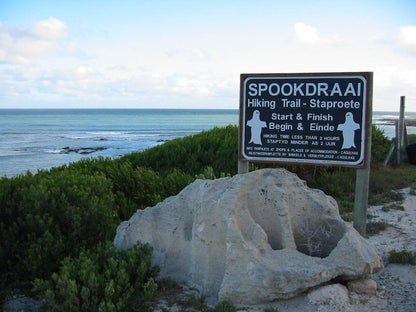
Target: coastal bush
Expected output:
[100,279]
[133,187]
[380,146]
[46,217]
[411,139]
[339,183]
[217,148]
[138,188]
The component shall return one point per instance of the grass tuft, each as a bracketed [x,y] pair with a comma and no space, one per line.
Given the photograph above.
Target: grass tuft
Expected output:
[402,257]
[392,206]
[374,228]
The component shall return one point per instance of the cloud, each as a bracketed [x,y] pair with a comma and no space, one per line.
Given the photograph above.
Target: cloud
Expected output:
[407,38]
[120,84]
[50,29]
[385,76]
[23,45]
[310,35]
[188,85]
[306,33]
[189,54]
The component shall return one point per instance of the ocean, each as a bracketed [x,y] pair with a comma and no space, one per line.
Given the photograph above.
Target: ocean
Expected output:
[33,139]
[45,138]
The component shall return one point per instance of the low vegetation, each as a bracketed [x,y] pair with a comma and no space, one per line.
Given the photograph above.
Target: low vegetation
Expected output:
[402,257]
[57,226]
[194,303]
[392,206]
[100,279]
[374,228]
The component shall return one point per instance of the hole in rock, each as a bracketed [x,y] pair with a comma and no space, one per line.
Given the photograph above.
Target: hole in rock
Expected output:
[274,238]
[270,222]
[319,237]
[188,228]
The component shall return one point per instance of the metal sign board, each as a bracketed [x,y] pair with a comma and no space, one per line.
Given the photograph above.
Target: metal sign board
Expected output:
[318,118]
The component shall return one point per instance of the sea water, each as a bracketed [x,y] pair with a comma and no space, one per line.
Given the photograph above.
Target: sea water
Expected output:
[40,139]
[44,138]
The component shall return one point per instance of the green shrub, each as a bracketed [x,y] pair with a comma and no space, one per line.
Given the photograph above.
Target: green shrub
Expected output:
[47,217]
[100,279]
[224,306]
[411,139]
[138,188]
[380,146]
[135,188]
[198,303]
[402,257]
[195,302]
[216,148]
[339,184]
[412,189]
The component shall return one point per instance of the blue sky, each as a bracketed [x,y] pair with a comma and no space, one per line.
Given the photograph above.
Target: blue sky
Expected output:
[190,54]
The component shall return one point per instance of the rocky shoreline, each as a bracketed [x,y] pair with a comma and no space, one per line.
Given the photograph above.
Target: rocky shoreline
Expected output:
[391,122]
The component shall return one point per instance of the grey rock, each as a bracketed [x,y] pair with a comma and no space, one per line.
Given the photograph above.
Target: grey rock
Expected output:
[363,286]
[335,295]
[252,238]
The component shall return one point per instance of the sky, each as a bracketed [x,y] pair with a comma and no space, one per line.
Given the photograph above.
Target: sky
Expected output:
[190,54]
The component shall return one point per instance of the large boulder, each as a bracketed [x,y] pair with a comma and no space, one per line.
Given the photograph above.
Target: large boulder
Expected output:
[251,238]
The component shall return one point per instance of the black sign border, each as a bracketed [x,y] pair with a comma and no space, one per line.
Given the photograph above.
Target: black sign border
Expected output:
[367,107]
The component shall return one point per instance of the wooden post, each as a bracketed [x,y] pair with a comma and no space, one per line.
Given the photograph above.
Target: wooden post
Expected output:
[243,166]
[392,147]
[363,178]
[402,131]
[397,132]
[361,200]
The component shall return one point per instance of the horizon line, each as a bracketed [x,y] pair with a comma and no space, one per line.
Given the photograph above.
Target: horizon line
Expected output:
[146,108]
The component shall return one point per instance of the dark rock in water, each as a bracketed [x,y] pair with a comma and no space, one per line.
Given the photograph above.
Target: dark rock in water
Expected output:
[82,150]
[90,150]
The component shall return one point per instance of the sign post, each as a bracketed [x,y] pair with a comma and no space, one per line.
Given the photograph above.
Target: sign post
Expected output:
[312,118]
[363,178]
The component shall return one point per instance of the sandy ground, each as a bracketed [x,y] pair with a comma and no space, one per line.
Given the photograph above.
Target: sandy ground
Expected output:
[396,282]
